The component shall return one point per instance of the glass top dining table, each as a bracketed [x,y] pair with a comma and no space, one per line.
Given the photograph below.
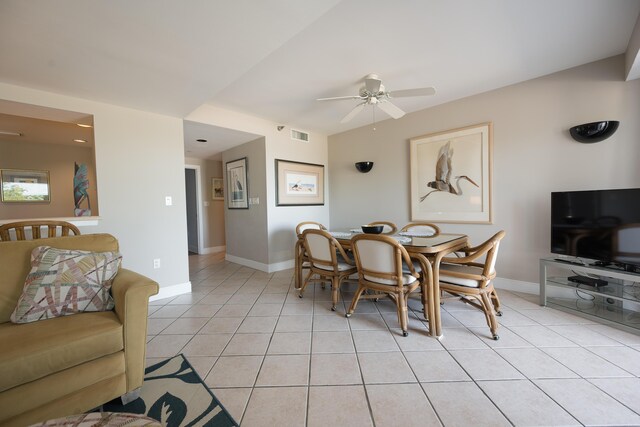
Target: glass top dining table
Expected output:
[424,249]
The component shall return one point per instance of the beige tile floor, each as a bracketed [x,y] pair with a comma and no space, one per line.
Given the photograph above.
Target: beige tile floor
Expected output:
[275,359]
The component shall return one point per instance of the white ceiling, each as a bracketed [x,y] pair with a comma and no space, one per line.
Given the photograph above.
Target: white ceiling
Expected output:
[40,131]
[217,140]
[273,58]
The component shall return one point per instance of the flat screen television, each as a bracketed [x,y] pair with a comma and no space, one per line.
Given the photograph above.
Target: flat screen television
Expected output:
[601,225]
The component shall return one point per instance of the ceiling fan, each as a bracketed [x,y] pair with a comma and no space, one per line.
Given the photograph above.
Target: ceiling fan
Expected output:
[373,93]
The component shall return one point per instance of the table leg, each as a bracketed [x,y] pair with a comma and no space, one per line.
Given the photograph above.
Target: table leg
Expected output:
[427,292]
[437,331]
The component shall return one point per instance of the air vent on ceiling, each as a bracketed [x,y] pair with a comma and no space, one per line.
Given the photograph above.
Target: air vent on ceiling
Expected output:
[299,135]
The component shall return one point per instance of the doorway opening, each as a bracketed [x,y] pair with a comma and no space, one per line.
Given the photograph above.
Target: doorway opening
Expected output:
[194,213]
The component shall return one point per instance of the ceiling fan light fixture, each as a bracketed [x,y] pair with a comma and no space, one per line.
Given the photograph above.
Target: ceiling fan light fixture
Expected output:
[374,93]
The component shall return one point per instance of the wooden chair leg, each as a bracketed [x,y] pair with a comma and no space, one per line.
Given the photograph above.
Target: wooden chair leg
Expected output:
[401,301]
[335,287]
[304,284]
[298,278]
[298,266]
[491,318]
[496,302]
[354,301]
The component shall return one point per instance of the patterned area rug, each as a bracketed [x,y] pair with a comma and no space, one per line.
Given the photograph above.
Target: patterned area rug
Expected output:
[174,394]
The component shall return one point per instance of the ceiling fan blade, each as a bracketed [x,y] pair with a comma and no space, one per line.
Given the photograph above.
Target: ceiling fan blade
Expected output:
[423,91]
[353,112]
[391,109]
[372,83]
[338,98]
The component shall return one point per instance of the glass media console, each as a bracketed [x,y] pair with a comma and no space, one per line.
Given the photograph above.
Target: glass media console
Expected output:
[607,295]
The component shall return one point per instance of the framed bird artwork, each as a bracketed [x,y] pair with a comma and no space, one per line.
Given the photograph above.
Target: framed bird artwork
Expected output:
[299,184]
[237,186]
[451,175]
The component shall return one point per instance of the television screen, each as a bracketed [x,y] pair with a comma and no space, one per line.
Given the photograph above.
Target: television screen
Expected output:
[603,225]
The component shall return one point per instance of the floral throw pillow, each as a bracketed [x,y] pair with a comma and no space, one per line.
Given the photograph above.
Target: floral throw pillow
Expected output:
[63,282]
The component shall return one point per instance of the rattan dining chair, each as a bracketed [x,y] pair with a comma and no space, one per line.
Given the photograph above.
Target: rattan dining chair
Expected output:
[54,228]
[327,259]
[471,278]
[384,266]
[422,227]
[301,258]
[388,227]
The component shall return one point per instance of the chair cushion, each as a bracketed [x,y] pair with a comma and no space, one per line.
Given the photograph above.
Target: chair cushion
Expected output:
[342,266]
[407,279]
[458,268]
[42,348]
[64,281]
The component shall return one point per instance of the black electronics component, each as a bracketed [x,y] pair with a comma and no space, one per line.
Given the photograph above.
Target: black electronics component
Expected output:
[569,261]
[589,281]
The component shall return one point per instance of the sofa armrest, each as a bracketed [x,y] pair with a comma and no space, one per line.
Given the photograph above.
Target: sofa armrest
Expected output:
[131,292]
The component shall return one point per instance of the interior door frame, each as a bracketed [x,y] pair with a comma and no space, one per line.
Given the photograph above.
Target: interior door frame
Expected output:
[198,207]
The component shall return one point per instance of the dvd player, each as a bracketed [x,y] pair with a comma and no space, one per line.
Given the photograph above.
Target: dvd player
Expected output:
[589,281]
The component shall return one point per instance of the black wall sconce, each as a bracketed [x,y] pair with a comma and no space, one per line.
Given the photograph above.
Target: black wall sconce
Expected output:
[594,132]
[364,167]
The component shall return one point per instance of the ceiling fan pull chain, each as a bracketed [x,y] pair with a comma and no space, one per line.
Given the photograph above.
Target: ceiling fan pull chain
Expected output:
[374,117]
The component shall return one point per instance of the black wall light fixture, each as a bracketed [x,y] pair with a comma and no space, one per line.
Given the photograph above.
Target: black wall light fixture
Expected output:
[594,132]
[364,167]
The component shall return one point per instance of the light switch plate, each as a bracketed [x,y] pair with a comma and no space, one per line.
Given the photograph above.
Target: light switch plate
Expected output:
[168,201]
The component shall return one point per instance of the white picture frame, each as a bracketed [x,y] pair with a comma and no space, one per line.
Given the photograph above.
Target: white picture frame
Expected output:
[451,175]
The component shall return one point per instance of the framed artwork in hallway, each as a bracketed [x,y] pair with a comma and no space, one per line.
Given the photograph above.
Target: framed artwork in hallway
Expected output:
[237,188]
[217,189]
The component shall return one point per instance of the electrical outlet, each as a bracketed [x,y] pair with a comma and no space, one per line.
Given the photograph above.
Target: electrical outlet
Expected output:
[156,263]
[168,201]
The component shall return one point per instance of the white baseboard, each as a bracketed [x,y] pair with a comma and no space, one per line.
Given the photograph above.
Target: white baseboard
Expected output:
[213,250]
[517,285]
[284,265]
[267,268]
[172,291]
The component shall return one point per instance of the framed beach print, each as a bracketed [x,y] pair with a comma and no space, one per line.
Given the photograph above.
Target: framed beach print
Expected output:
[451,175]
[299,184]
[25,186]
[217,189]
[237,189]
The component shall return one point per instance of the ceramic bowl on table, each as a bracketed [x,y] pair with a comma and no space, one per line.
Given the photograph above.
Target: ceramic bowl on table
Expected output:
[372,229]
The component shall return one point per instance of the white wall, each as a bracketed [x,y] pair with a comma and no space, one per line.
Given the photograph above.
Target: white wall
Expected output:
[246,230]
[139,161]
[533,155]
[281,221]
